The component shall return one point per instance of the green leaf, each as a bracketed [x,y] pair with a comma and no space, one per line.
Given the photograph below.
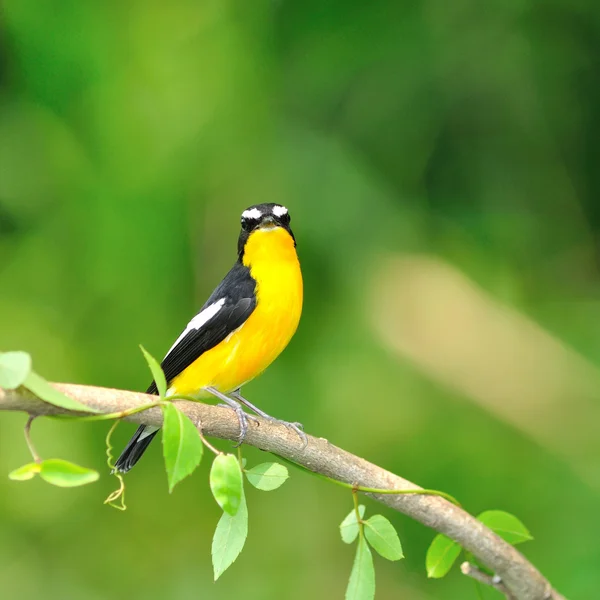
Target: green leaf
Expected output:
[380,533]
[182,446]
[507,526]
[229,539]
[28,471]
[226,482]
[441,555]
[66,474]
[267,476]
[349,526]
[14,368]
[362,578]
[157,372]
[48,393]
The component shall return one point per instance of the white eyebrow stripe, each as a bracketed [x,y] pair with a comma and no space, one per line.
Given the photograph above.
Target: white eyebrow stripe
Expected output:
[252,213]
[279,211]
[200,319]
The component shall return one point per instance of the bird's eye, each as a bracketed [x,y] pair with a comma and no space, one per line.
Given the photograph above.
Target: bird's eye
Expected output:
[248,224]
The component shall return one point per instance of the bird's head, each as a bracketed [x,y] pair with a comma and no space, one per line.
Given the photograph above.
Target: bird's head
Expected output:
[263,217]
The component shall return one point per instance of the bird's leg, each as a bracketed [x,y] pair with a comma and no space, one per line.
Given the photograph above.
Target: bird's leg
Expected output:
[297,427]
[241,415]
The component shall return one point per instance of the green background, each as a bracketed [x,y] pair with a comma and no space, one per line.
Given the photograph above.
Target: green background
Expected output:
[440,162]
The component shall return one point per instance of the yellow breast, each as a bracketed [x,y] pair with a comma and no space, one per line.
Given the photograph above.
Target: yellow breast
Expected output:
[271,257]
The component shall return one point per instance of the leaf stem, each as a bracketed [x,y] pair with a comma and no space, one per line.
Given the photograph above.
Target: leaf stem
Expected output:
[27,433]
[205,441]
[420,492]
[355,500]
[370,490]
[182,397]
[121,414]
[198,425]
[360,522]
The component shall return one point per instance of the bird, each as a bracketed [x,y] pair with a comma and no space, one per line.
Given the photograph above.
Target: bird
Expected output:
[242,328]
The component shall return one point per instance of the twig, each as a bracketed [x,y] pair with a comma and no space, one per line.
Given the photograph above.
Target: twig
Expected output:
[492,580]
[204,440]
[27,433]
[518,575]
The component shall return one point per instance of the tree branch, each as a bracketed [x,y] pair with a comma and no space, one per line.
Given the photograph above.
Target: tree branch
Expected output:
[520,578]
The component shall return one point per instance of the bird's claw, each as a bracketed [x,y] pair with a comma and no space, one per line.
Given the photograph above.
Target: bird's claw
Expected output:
[297,427]
[243,419]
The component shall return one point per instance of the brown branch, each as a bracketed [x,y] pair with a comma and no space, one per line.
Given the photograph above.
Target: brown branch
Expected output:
[520,577]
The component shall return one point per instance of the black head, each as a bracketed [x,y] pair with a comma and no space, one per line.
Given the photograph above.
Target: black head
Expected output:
[260,216]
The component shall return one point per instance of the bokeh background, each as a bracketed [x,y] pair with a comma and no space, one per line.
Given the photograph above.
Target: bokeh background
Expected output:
[440,162]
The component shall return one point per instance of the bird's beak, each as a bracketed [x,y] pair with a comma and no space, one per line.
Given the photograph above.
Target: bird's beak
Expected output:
[268,223]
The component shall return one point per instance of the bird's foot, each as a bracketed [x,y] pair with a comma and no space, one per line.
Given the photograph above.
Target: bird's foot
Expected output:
[243,417]
[295,426]
[243,421]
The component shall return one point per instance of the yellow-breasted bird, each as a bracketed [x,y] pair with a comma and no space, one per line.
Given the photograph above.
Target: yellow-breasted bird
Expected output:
[241,329]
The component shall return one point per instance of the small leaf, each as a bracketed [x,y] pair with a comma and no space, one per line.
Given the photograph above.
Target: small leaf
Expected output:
[267,476]
[361,585]
[507,526]
[441,555]
[380,533]
[226,482]
[229,539]
[349,526]
[48,393]
[182,446]
[28,471]
[14,368]
[66,474]
[157,372]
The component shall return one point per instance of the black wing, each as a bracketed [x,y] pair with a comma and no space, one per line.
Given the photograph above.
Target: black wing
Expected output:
[236,292]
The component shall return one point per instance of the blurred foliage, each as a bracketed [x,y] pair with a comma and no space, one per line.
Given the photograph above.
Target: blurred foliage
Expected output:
[132,135]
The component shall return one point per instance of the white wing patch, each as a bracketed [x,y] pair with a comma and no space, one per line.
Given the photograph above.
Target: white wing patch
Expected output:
[252,213]
[200,319]
[279,211]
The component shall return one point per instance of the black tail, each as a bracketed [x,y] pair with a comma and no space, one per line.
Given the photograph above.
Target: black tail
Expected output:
[134,449]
